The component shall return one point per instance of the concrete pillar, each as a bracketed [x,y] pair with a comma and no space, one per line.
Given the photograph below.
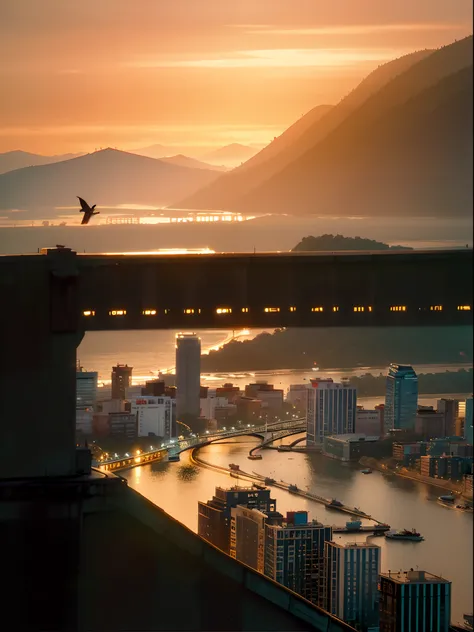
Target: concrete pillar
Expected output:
[39,337]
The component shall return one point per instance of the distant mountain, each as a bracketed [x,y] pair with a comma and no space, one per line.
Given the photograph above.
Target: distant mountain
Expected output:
[406,151]
[156,151]
[230,155]
[106,177]
[303,135]
[18,159]
[324,243]
[192,163]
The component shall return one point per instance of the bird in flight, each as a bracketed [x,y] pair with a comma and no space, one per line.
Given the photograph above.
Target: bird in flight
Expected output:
[87,210]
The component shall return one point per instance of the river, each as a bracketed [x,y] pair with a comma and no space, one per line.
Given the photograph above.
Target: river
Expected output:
[448,546]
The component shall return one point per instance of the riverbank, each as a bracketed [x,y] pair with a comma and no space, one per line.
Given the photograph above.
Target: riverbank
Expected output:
[382,466]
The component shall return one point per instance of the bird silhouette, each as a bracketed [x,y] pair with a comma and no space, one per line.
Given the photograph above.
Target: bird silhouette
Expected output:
[87,210]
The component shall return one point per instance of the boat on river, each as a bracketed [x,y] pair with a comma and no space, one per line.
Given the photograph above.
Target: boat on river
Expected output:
[405,534]
[366,471]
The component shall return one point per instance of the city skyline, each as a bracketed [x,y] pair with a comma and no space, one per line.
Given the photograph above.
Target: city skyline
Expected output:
[201,74]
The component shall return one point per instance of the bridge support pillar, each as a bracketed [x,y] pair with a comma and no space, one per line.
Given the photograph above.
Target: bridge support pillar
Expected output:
[39,325]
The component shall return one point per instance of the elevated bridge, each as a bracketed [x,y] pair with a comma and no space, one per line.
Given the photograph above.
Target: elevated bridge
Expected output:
[267,433]
[50,300]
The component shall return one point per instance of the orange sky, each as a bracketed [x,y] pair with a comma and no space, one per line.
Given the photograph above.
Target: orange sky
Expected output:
[79,74]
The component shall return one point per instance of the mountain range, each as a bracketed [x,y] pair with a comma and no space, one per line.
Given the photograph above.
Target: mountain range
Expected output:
[400,143]
[11,160]
[228,156]
[106,177]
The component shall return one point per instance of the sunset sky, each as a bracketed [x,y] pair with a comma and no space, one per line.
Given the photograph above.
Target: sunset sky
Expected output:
[79,74]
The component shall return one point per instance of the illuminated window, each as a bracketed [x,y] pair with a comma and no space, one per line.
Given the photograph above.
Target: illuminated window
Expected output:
[271,310]
[89,312]
[167,311]
[118,312]
[436,308]
[369,308]
[245,310]
[398,308]
[359,308]
[292,309]
[317,309]
[461,308]
[335,308]
[149,312]
[223,310]
[190,310]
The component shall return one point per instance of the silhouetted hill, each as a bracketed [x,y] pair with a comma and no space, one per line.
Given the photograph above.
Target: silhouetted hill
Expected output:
[192,163]
[106,177]
[408,158]
[17,159]
[230,155]
[296,140]
[339,242]
[342,347]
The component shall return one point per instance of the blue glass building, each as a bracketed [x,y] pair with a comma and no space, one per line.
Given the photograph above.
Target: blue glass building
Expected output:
[414,600]
[401,398]
[351,583]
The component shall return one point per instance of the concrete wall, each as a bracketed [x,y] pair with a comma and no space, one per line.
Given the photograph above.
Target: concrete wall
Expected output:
[97,556]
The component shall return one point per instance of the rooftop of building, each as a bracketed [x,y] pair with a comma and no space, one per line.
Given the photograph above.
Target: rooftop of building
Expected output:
[353,437]
[354,545]
[402,370]
[414,577]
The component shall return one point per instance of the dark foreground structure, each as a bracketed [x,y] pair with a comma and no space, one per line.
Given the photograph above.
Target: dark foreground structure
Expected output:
[81,550]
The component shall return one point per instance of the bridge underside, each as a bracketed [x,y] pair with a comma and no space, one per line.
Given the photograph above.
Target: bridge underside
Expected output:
[279,290]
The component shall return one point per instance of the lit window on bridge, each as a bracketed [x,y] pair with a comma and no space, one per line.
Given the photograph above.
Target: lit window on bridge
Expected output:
[317,309]
[335,308]
[292,308]
[245,310]
[118,312]
[362,308]
[89,312]
[223,310]
[436,308]
[398,308]
[190,310]
[149,312]
[167,311]
[271,310]
[464,308]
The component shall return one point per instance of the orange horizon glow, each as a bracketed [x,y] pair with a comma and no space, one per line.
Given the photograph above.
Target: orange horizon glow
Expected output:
[77,76]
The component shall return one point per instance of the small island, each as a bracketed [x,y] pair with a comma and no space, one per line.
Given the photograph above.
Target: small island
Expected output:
[339,242]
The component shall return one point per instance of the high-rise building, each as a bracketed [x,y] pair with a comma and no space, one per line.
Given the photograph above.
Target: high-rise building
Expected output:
[401,397]
[294,555]
[414,600]
[468,421]
[351,583]
[331,409]
[450,409]
[121,380]
[214,517]
[86,397]
[86,388]
[368,422]
[429,423]
[247,535]
[188,375]
[154,416]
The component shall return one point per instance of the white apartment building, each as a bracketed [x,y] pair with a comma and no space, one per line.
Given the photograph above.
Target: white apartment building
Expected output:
[331,409]
[154,415]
